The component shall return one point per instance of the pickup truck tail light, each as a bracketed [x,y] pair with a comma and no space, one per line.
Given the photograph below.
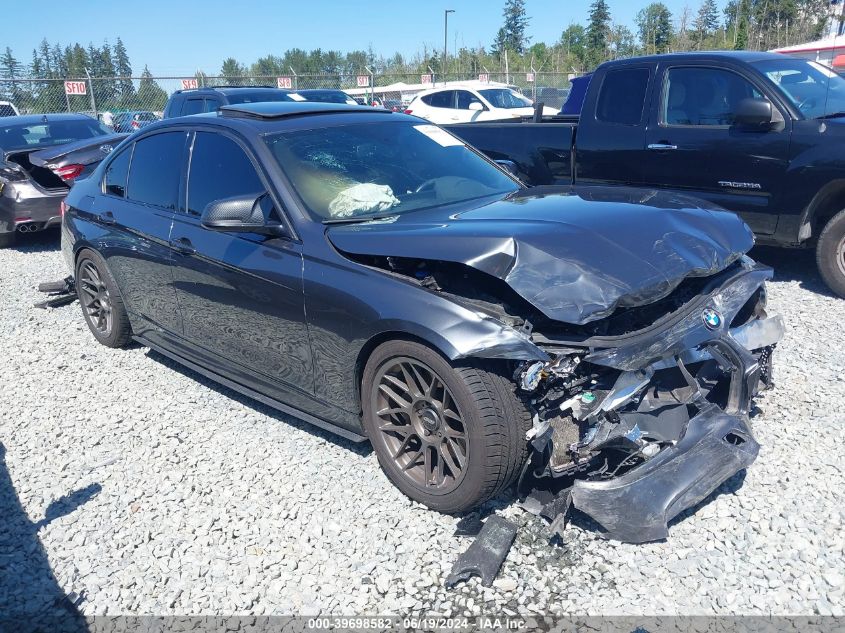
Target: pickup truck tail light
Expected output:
[408,111]
[68,172]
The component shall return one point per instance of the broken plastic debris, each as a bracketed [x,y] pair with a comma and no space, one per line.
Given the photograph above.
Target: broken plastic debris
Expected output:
[485,556]
[362,198]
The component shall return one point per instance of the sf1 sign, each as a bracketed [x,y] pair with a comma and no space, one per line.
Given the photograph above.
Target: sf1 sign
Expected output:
[425,79]
[190,84]
[76,88]
[363,81]
[484,77]
[285,83]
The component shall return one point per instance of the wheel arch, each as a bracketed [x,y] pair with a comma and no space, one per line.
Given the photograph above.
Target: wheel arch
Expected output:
[829,201]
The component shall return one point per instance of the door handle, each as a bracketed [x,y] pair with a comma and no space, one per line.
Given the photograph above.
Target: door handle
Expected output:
[662,146]
[182,245]
[106,217]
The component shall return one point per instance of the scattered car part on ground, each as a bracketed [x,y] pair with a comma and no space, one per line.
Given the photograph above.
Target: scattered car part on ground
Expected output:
[739,129]
[40,155]
[589,329]
[485,555]
[60,293]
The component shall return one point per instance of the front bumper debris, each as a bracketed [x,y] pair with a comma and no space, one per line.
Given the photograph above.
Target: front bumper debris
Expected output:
[664,420]
[636,506]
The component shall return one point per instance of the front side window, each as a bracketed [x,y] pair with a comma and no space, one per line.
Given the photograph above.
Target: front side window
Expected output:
[465,97]
[442,99]
[156,168]
[219,169]
[383,168]
[703,96]
[505,98]
[114,181]
[622,96]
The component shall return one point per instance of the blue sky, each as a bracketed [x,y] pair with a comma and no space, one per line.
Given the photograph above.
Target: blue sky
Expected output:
[178,36]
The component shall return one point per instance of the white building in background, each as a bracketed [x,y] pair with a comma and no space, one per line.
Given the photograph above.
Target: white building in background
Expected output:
[830,50]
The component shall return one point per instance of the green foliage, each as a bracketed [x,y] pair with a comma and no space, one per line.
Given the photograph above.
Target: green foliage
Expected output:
[512,35]
[654,24]
[598,33]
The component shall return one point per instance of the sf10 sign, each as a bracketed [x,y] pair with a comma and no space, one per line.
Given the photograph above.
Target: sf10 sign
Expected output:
[425,79]
[484,77]
[285,83]
[363,81]
[76,88]
[190,84]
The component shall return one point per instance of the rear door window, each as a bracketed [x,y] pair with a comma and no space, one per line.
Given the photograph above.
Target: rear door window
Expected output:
[622,96]
[219,169]
[193,106]
[442,99]
[156,169]
[114,181]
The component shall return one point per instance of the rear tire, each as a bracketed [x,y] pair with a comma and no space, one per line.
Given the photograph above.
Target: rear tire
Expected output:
[452,439]
[7,239]
[830,254]
[101,302]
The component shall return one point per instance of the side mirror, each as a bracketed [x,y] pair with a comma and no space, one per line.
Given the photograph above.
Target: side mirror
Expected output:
[476,106]
[509,166]
[240,214]
[753,113]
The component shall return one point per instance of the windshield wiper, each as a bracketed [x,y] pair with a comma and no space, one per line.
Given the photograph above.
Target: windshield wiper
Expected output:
[831,115]
[356,219]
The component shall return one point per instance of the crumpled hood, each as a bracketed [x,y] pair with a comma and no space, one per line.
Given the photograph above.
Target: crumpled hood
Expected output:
[575,254]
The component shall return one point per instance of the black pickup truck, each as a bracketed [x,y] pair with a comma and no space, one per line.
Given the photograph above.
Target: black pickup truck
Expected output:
[760,134]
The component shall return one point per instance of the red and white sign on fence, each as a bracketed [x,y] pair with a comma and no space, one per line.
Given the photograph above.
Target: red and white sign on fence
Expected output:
[484,77]
[190,84]
[363,81]
[76,88]
[425,79]
[529,77]
[284,82]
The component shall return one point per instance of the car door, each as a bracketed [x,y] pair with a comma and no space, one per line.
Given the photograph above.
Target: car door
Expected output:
[463,113]
[240,294]
[141,189]
[694,146]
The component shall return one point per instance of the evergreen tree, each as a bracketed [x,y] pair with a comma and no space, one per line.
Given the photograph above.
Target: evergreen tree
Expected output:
[10,71]
[124,89]
[706,22]
[512,34]
[654,23]
[598,32]
[150,95]
[233,71]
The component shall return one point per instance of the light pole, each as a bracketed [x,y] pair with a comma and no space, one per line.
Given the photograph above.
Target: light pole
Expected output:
[445,39]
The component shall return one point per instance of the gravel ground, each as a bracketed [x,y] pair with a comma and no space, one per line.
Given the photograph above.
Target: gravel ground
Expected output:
[138,487]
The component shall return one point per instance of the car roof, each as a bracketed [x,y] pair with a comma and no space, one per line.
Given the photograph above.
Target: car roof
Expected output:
[283,109]
[226,90]
[740,56]
[26,119]
[313,91]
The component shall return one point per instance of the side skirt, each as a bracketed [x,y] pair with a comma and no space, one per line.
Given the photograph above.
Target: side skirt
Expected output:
[271,402]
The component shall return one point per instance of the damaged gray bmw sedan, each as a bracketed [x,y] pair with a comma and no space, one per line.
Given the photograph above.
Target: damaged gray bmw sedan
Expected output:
[371,273]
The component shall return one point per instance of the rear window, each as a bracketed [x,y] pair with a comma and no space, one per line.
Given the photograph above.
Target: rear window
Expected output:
[22,136]
[7,110]
[622,96]
[193,106]
[444,99]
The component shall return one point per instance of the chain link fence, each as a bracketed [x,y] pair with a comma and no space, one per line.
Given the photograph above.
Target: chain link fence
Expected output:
[99,95]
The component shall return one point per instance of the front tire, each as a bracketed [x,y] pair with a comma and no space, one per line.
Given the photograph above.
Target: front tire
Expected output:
[448,435]
[830,254]
[102,304]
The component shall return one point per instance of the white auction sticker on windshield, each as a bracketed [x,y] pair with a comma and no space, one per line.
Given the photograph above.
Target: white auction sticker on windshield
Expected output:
[296,97]
[442,137]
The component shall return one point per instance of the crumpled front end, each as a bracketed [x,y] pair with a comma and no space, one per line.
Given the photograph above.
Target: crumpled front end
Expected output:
[637,425]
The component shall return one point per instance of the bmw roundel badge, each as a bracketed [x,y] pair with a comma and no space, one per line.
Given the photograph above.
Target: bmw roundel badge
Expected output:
[712,319]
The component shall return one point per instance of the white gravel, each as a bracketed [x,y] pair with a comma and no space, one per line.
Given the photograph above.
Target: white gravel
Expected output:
[191,500]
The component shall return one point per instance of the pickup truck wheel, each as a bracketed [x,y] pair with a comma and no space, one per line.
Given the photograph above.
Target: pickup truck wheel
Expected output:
[448,435]
[102,305]
[830,254]
[7,240]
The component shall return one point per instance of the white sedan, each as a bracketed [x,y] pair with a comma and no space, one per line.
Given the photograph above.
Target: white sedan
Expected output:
[457,104]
